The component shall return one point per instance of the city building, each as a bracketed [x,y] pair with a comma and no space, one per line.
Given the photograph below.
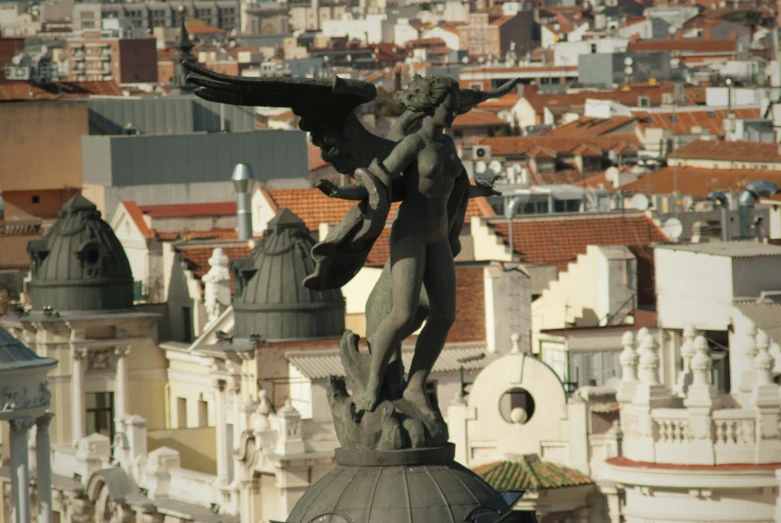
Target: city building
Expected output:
[146,16]
[490,34]
[108,55]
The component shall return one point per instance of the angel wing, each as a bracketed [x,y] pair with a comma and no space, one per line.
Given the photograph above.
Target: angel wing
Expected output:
[326,107]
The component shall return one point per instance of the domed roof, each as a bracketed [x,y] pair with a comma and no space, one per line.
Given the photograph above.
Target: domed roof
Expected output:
[80,265]
[16,355]
[271,300]
[435,493]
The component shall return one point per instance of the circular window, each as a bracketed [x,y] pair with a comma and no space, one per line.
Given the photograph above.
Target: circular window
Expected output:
[92,256]
[516,406]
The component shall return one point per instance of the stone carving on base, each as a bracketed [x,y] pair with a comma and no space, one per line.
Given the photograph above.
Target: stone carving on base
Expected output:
[100,360]
[386,419]
[18,397]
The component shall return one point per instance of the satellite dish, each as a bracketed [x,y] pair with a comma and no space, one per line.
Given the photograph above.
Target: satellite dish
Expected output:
[628,70]
[495,166]
[611,174]
[673,228]
[628,61]
[639,202]
[480,167]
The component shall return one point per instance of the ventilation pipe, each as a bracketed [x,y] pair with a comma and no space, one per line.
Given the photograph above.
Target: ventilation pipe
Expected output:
[720,197]
[243,180]
[749,198]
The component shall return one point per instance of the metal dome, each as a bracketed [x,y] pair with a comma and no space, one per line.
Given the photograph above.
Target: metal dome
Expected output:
[80,265]
[271,300]
[435,493]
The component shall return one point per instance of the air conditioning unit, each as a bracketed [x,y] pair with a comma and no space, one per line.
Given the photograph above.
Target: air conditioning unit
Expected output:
[481,152]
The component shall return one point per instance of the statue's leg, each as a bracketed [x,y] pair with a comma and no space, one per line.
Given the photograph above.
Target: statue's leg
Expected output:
[407,261]
[440,282]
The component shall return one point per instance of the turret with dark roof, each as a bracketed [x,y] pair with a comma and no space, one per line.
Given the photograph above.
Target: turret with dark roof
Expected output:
[271,300]
[80,265]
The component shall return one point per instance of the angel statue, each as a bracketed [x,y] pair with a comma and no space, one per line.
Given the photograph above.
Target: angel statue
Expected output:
[418,166]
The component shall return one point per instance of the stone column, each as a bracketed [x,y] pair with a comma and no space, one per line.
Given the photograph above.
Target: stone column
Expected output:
[77,392]
[223,448]
[20,472]
[701,399]
[44,468]
[748,375]
[120,393]
[237,404]
[765,398]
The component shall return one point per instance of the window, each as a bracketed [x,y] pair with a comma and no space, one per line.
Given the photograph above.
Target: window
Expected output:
[203,414]
[516,405]
[593,48]
[181,413]
[594,367]
[187,325]
[100,413]
[36,199]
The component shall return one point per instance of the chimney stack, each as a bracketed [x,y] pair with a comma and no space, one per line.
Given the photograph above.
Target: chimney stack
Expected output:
[244,180]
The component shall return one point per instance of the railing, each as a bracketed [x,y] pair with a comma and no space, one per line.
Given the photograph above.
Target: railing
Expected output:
[734,427]
[193,487]
[671,426]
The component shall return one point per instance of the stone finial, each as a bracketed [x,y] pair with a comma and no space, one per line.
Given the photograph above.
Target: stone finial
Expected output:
[287,423]
[649,361]
[763,361]
[515,340]
[701,362]
[628,359]
[687,353]
[216,294]
[642,333]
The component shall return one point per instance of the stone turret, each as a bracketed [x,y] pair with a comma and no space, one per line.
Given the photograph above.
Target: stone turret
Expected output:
[80,265]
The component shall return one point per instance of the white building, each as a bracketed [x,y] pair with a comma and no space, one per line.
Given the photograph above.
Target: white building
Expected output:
[371,29]
[566,53]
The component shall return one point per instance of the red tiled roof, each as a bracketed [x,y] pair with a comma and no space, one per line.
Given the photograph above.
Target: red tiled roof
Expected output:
[684,120]
[138,218]
[189,210]
[626,96]
[197,256]
[592,126]
[520,145]
[587,150]
[690,45]
[314,155]
[558,240]
[735,151]
[17,91]
[621,461]
[478,118]
[697,181]
[210,234]
[541,152]
[496,104]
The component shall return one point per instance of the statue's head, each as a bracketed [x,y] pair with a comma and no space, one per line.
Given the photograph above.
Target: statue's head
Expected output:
[435,95]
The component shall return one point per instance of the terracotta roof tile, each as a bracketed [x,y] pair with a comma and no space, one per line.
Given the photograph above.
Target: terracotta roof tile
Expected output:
[542,152]
[497,104]
[520,145]
[189,210]
[625,95]
[683,121]
[558,240]
[591,126]
[138,218]
[17,91]
[530,473]
[478,118]
[211,234]
[735,151]
[621,461]
[697,181]
[315,158]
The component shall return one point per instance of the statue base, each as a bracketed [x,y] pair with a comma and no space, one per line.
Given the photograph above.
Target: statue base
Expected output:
[399,486]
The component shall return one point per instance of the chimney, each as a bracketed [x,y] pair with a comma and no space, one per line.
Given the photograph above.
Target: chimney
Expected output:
[243,180]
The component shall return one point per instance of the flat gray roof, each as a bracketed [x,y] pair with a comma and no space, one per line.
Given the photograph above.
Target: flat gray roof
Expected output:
[734,249]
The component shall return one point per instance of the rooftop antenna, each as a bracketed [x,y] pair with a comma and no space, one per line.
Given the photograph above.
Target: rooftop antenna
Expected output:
[243,181]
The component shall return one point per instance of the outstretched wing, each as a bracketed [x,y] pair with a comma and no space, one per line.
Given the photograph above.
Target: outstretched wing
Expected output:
[326,107]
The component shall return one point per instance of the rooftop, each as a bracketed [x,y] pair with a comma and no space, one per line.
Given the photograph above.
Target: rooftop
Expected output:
[521,145]
[558,240]
[729,151]
[19,91]
[765,314]
[732,249]
[530,473]
[697,181]
[691,45]
[478,118]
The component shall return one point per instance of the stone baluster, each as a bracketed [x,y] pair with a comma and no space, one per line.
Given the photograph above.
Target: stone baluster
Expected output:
[642,333]
[649,361]
[44,468]
[701,399]
[765,398]
[687,353]
[78,411]
[629,360]
[20,470]
[237,405]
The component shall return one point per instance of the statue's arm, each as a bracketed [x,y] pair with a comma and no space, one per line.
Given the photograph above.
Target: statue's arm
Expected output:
[405,152]
[352,191]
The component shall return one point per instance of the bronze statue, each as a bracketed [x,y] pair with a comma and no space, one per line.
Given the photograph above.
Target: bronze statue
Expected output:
[417,165]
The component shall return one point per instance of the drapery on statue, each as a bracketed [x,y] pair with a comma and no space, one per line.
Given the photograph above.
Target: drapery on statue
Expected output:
[417,165]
